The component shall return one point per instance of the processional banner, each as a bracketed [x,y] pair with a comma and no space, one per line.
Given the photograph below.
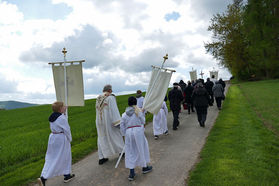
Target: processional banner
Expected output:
[157,89]
[193,75]
[75,91]
[215,73]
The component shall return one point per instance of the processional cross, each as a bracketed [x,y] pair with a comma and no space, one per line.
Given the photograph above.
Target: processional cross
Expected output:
[201,74]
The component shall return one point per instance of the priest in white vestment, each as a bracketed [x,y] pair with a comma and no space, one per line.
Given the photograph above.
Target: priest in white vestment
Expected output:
[110,141]
[160,121]
[58,160]
[136,145]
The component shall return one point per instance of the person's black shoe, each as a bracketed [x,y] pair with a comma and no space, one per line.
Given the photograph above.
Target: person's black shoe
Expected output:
[147,169]
[131,177]
[202,124]
[102,161]
[68,177]
[166,133]
[42,181]
[122,155]
[156,137]
[174,129]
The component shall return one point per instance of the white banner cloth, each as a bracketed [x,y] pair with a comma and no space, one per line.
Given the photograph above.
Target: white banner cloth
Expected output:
[215,73]
[156,90]
[74,84]
[193,75]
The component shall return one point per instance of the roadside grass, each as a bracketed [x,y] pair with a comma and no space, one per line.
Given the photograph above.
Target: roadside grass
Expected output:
[24,137]
[240,150]
[263,96]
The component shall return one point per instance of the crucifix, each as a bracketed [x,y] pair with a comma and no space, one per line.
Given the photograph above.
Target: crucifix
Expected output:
[201,74]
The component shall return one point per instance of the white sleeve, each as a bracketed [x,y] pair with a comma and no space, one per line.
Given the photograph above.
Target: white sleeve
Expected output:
[165,108]
[63,123]
[123,125]
[142,117]
[114,112]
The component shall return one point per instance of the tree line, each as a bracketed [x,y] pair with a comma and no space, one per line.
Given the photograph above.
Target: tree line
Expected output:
[245,39]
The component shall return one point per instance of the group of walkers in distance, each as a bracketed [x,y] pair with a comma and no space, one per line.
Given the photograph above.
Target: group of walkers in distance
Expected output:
[197,95]
[118,134]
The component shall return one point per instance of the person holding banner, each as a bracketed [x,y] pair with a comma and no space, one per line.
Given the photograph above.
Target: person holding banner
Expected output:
[108,118]
[160,121]
[136,145]
[58,160]
[175,98]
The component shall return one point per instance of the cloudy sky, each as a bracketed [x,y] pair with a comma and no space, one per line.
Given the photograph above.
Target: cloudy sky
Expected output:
[119,40]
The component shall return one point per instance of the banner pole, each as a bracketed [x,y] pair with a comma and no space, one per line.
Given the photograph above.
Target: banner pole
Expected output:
[64,51]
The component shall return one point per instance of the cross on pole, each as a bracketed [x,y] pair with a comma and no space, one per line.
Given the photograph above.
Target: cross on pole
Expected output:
[165,58]
[201,74]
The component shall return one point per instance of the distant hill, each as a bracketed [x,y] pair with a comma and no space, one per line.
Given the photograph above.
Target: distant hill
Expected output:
[8,105]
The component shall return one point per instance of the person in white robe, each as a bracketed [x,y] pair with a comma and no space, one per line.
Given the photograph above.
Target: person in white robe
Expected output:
[140,99]
[58,159]
[160,121]
[110,141]
[136,145]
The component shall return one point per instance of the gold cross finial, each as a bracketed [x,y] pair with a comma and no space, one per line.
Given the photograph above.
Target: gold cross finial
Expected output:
[165,57]
[64,51]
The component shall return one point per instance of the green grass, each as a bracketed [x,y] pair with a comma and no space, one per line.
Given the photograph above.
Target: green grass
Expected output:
[24,137]
[240,150]
[263,96]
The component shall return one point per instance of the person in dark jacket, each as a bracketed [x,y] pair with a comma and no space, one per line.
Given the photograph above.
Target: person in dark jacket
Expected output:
[201,101]
[218,92]
[188,97]
[182,85]
[175,98]
[222,83]
[208,86]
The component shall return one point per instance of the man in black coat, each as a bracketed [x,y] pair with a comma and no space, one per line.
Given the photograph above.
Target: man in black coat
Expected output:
[188,97]
[175,98]
[201,101]
[208,86]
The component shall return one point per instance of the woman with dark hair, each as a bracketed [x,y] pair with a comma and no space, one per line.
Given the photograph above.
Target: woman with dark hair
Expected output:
[201,101]
[136,145]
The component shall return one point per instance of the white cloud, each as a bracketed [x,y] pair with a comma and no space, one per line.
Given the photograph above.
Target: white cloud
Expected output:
[119,40]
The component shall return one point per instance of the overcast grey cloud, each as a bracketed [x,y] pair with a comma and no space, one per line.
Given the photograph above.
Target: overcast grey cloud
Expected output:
[207,8]
[7,86]
[119,40]
[89,44]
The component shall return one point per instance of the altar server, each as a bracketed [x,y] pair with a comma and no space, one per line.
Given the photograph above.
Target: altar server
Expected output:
[136,145]
[160,121]
[58,160]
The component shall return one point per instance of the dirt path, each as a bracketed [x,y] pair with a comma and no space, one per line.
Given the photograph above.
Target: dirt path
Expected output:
[172,157]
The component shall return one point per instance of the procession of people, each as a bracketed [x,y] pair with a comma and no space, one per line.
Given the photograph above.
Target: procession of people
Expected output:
[125,135]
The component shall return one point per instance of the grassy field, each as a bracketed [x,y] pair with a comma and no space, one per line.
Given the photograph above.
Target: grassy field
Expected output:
[241,149]
[24,137]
